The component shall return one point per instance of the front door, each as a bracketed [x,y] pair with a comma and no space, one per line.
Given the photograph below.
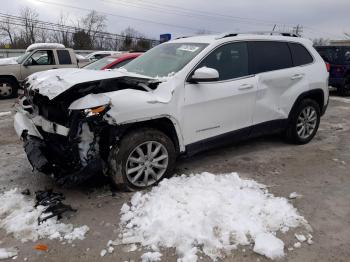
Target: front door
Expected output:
[40,60]
[219,107]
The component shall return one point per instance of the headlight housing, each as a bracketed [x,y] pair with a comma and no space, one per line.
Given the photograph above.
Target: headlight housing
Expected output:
[96,111]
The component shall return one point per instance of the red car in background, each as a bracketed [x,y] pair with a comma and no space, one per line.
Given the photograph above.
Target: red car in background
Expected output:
[112,62]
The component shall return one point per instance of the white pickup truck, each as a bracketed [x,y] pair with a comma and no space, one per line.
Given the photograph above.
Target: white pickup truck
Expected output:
[38,57]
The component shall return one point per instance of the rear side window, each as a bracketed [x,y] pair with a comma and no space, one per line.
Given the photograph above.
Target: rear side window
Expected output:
[300,54]
[230,60]
[269,56]
[64,57]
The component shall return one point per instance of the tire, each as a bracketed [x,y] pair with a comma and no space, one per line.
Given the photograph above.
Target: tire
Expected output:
[130,171]
[294,132]
[341,90]
[8,88]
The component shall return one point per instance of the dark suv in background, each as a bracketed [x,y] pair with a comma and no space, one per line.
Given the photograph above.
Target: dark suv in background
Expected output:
[338,58]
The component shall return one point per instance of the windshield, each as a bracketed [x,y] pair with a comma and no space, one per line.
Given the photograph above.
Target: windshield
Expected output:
[99,64]
[165,59]
[23,57]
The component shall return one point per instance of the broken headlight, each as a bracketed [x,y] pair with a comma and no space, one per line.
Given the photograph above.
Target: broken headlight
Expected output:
[96,111]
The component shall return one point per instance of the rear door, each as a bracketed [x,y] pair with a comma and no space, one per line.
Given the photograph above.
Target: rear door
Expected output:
[219,107]
[279,82]
[65,58]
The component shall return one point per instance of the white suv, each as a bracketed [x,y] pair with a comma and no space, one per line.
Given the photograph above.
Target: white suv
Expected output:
[180,97]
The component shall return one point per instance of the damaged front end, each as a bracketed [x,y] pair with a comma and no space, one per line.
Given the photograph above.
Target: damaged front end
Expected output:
[69,136]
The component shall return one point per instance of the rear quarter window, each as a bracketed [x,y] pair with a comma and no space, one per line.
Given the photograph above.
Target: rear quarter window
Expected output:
[300,54]
[64,57]
[269,56]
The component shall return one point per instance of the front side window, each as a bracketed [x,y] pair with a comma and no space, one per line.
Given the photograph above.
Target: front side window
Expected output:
[165,59]
[41,57]
[64,57]
[269,56]
[230,60]
[300,55]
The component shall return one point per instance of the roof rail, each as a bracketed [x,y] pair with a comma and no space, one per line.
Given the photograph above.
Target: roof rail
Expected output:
[181,37]
[230,34]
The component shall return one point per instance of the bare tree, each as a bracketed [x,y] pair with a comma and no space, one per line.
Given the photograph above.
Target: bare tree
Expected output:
[320,41]
[93,23]
[8,30]
[63,36]
[30,17]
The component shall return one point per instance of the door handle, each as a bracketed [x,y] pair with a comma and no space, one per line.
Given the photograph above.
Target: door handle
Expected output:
[297,76]
[245,87]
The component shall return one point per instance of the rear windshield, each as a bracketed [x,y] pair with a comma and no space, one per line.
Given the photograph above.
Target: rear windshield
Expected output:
[99,64]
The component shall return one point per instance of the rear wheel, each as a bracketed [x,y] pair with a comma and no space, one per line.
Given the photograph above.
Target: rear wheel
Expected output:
[343,89]
[143,158]
[8,88]
[304,122]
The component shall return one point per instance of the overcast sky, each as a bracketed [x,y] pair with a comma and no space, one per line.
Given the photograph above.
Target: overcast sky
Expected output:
[320,18]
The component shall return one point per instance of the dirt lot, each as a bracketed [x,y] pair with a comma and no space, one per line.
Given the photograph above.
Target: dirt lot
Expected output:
[319,171]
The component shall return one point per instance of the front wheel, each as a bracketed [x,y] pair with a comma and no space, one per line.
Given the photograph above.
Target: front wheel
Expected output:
[303,123]
[8,88]
[143,158]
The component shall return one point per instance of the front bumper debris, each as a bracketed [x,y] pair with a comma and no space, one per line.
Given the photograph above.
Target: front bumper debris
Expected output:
[34,148]
[70,155]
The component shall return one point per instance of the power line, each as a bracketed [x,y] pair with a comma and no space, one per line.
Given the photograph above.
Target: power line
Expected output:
[120,16]
[152,5]
[19,21]
[188,13]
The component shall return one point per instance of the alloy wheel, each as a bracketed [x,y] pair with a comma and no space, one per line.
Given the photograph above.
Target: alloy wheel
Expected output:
[147,164]
[306,123]
[5,90]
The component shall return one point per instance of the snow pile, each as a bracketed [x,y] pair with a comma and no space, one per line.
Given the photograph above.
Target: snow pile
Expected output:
[151,257]
[8,113]
[8,61]
[268,245]
[8,253]
[19,217]
[209,213]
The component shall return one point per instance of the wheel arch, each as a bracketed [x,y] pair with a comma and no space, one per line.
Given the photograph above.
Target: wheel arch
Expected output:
[12,77]
[166,124]
[314,94]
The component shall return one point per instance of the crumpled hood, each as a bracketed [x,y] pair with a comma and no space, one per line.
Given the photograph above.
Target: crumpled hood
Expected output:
[52,83]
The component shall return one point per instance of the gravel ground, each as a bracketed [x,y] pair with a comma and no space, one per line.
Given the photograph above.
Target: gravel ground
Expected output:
[319,171]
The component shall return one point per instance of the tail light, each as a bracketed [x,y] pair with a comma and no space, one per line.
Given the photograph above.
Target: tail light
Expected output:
[328,66]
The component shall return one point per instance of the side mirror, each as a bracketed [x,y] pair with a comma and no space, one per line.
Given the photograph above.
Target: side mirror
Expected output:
[204,74]
[27,62]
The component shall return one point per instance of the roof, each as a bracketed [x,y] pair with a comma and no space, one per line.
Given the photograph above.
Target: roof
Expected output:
[210,39]
[44,46]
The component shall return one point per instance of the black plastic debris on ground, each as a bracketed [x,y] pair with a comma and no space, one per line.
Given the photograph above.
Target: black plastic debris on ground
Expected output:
[52,201]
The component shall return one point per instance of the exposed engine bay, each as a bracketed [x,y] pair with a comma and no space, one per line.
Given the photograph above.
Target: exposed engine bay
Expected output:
[73,144]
